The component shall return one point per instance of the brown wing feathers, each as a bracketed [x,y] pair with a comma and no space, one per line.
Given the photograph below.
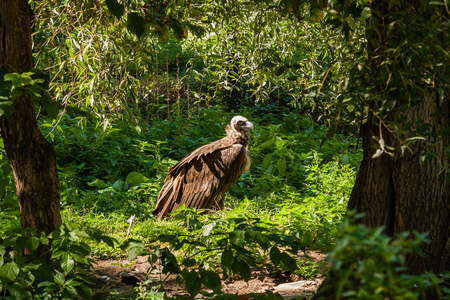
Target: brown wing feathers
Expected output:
[202,177]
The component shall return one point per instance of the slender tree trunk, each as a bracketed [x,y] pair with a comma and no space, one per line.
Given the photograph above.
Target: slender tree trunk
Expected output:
[32,158]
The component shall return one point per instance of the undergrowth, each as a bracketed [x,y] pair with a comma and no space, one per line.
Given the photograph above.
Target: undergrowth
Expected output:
[290,202]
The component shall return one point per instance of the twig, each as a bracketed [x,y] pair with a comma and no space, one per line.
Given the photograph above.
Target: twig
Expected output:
[130,221]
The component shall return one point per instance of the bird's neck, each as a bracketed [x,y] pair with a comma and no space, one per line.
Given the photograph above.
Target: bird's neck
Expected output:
[237,137]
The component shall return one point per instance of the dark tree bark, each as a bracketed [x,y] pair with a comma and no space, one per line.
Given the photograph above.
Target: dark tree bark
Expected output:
[32,158]
[400,190]
[403,194]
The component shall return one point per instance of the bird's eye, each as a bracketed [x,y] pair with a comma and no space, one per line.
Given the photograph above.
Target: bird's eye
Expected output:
[240,122]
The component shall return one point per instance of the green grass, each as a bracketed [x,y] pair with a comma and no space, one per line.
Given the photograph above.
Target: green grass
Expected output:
[297,179]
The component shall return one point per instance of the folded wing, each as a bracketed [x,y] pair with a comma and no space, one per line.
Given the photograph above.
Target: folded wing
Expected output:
[202,178]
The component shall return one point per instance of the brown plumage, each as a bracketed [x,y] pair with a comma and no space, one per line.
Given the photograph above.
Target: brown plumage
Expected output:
[202,177]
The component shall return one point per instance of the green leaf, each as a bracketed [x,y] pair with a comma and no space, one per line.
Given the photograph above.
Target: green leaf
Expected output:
[32,243]
[288,262]
[210,279]
[136,178]
[192,282]
[268,143]
[72,291]
[84,291]
[6,168]
[67,262]
[18,291]
[115,8]
[227,261]
[275,255]
[169,262]
[59,278]
[9,272]
[22,80]
[366,13]
[135,23]
[152,258]
[266,161]
[206,230]
[108,240]
[189,262]
[236,236]
[262,240]
[98,183]
[6,108]
[10,76]
[241,267]
[281,164]
[53,108]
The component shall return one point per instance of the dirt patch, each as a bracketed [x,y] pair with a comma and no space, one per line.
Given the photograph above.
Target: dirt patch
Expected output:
[122,276]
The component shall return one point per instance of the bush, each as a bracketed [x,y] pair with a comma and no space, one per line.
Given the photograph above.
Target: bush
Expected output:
[368,264]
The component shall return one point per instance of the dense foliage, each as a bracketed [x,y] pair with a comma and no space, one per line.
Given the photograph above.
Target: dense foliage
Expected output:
[124,109]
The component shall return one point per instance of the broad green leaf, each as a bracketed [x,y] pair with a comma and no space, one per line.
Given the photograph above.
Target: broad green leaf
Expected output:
[18,291]
[206,230]
[9,272]
[119,185]
[268,143]
[136,178]
[192,282]
[227,261]
[169,262]
[6,108]
[32,243]
[236,236]
[84,291]
[114,162]
[72,291]
[53,109]
[6,168]
[67,262]
[152,258]
[135,23]
[243,269]
[275,255]
[59,278]
[115,8]
[98,183]
[262,240]
[10,76]
[281,164]
[108,240]
[189,262]
[128,244]
[280,144]
[266,161]
[22,80]
[366,13]
[289,262]
[210,279]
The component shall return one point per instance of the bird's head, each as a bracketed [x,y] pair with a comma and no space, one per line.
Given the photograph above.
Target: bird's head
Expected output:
[241,126]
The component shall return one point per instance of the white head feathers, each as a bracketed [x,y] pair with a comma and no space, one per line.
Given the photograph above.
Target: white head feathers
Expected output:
[240,125]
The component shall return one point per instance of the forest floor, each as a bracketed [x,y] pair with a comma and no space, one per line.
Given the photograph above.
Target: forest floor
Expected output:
[120,277]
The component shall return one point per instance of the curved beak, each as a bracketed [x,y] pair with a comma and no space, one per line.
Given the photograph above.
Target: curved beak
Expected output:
[249,125]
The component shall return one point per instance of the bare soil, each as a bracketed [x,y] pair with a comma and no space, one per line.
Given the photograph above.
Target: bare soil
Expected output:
[122,276]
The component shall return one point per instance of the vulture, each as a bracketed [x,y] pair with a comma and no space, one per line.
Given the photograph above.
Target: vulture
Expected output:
[202,177]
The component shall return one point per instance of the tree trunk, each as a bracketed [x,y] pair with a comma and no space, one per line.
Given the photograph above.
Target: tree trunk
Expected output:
[401,190]
[404,194]
[32,158]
